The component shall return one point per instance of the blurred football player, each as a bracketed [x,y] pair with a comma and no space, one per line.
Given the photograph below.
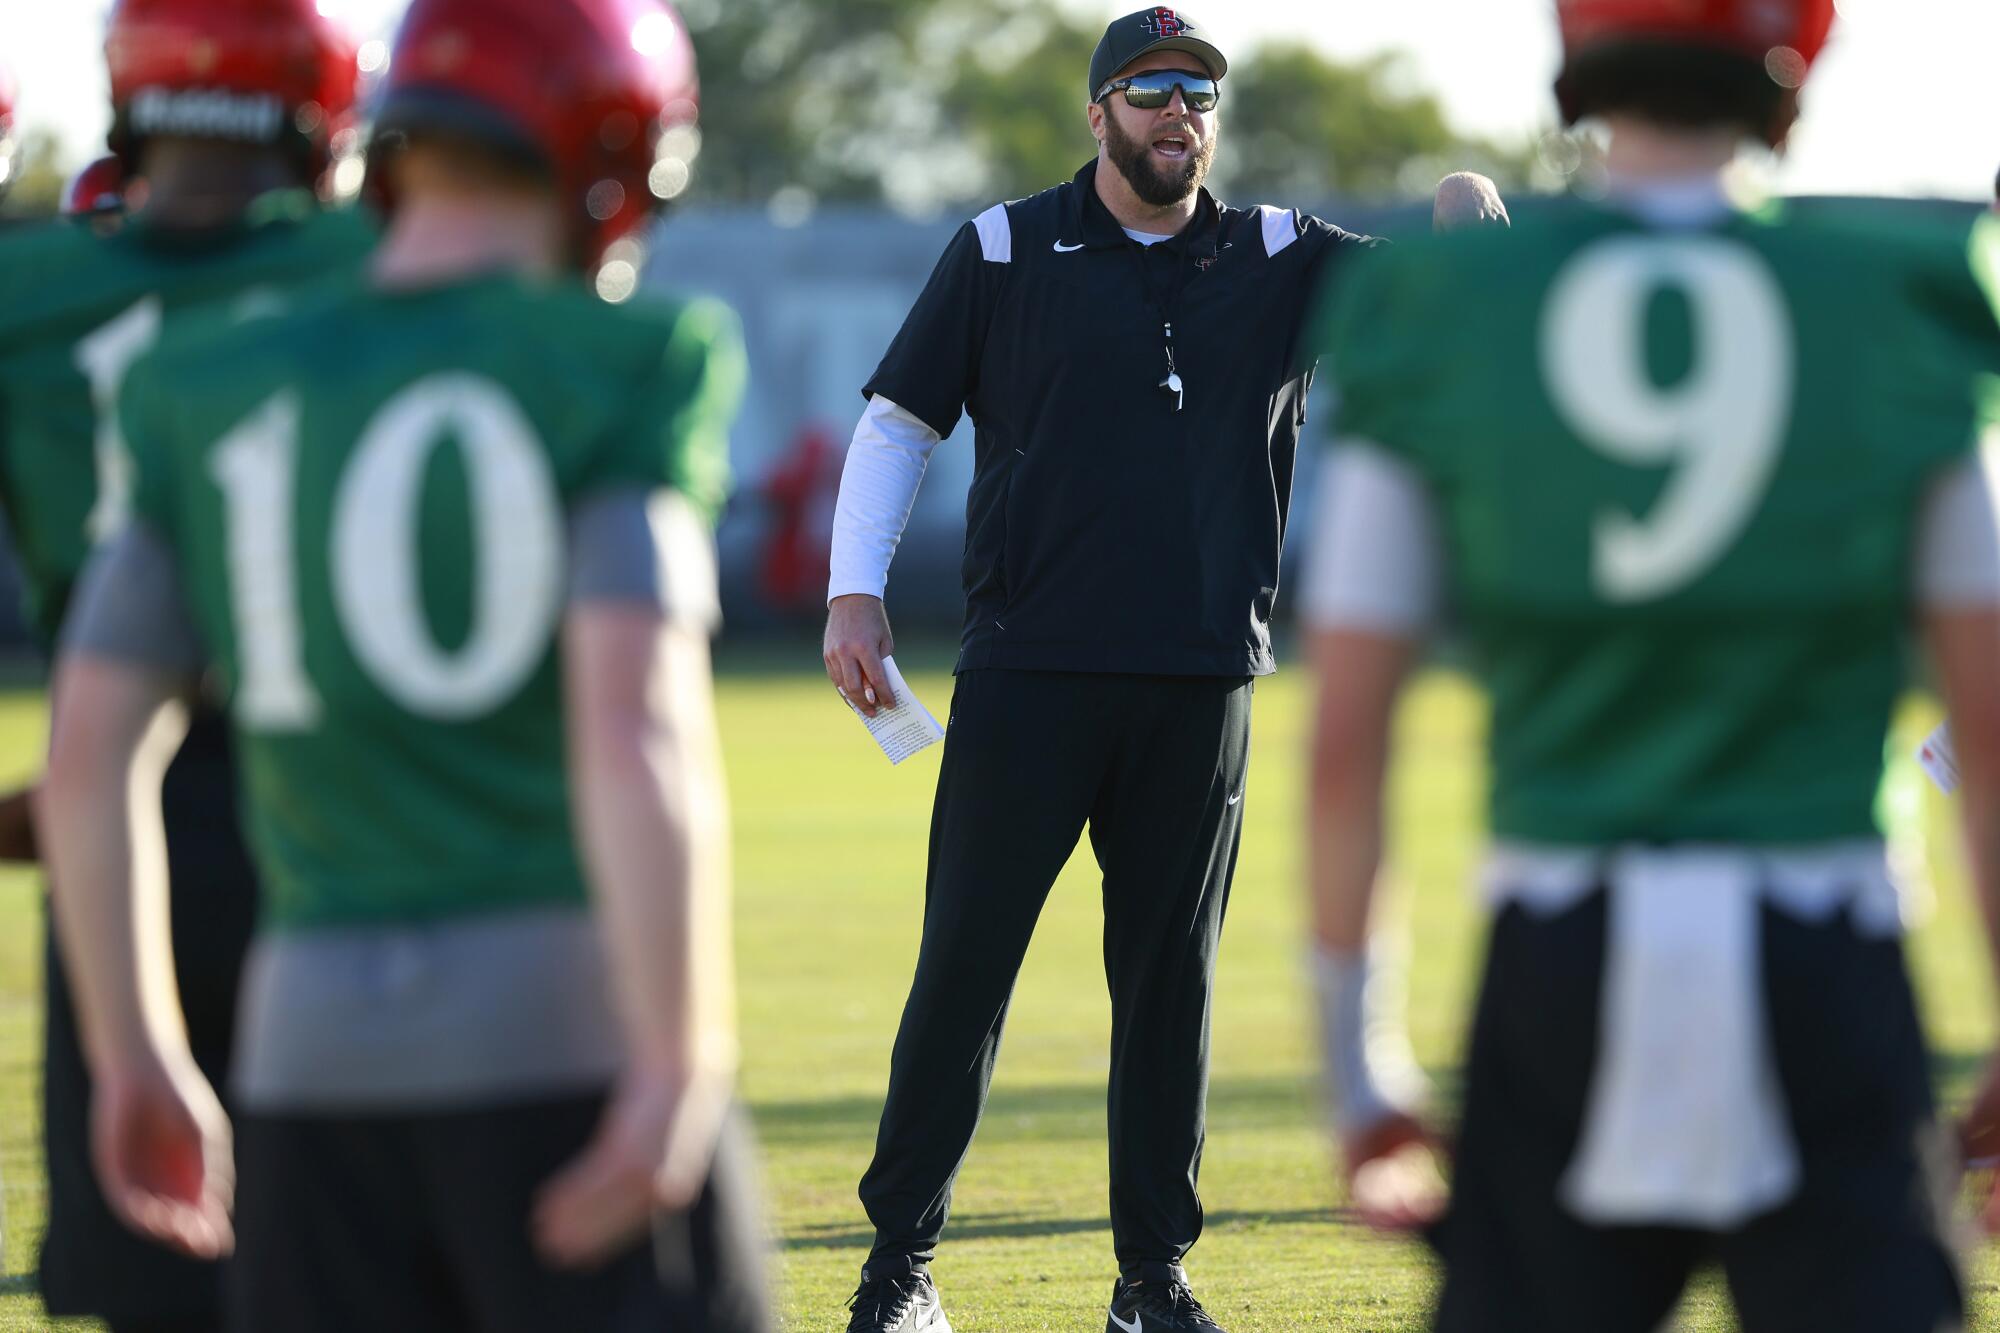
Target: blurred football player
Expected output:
[97,193]
[443,532]
[1684,475]
[231,110]
[9,94]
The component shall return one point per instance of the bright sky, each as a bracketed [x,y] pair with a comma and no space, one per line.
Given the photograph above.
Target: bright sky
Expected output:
[1904,102]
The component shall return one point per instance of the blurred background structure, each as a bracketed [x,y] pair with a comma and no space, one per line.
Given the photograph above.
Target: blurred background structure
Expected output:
[844,140]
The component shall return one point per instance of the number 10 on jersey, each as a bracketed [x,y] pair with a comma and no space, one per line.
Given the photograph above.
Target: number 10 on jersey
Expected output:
[375,548]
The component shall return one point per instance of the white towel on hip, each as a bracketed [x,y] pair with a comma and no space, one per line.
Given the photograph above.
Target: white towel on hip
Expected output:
[1686,1123]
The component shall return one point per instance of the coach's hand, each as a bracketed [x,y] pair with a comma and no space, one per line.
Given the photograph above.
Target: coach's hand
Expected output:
[857,639]
[1468,199]
[652,1151]
[1393,1179]
[161,1144]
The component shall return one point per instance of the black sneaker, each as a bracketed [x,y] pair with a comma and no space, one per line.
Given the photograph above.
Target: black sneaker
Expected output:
[905,1303]
[1163,1305]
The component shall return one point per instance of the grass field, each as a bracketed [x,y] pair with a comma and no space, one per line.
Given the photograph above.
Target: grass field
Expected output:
[830,844]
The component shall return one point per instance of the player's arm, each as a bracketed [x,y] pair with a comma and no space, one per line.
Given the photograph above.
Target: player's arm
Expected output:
[159,1139]
[1371,595]
[1958,571]
[648,802]
[1965,653]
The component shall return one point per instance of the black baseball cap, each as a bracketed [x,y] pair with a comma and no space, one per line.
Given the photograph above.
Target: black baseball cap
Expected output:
[1158,29]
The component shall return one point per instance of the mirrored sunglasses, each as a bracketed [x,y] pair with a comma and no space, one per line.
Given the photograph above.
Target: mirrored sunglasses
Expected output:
[1155,88]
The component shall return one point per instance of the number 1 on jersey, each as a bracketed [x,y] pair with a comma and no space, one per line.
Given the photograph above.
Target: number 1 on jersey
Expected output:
[104,357]
[1723,426]
[256,465]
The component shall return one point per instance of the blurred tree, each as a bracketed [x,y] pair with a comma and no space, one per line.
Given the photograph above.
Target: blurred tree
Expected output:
[1297,126]
[1023,109]
[35,189]
[837,98]
[925,104]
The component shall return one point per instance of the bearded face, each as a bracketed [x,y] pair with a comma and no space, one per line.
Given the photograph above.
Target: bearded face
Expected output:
[1163,155]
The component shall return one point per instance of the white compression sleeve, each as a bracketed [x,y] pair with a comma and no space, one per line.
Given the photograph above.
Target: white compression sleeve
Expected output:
[1958,542]
[878,488]
[1371,1072]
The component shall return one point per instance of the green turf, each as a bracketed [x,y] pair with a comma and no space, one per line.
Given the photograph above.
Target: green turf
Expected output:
[22,739]
[830,846]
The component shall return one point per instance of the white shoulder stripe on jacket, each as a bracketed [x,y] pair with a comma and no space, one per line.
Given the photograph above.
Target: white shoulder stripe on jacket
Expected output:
[1281,227]
[996,238]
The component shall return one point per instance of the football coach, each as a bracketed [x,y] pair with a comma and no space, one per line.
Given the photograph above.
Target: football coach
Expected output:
[1129,348]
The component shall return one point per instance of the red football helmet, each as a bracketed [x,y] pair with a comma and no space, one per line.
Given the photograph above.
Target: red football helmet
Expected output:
[256,71]
[584,88]
[1771,43]
[97,189]
[1765,30]
[8,93]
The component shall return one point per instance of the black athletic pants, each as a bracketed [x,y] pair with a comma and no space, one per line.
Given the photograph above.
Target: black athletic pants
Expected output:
[1860,1249]
[1154,766]
[420,1224]
[90,1263]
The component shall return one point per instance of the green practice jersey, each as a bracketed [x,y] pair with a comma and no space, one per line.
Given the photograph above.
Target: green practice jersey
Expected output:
[76,309]
[368,497]
[1678,474]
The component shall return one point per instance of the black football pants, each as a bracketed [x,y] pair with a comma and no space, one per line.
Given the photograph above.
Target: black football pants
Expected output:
[1154,767]
[419,1223]
[1864,1247]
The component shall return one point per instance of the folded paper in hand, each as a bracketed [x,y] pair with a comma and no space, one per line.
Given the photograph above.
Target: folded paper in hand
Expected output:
[908,727]
[1940,760]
